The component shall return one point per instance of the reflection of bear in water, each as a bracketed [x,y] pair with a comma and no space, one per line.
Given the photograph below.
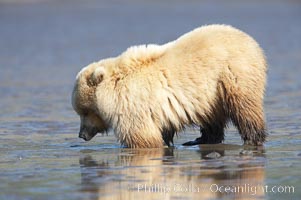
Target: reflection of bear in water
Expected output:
[207,77]
[121,177]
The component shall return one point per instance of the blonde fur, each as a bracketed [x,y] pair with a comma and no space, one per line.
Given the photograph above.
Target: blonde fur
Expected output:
[206,77]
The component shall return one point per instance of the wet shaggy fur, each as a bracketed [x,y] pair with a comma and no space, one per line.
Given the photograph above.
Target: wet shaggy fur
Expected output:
[207,77]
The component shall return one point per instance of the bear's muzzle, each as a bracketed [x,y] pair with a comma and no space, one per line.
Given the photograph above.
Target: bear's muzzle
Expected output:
[87,133]
[83,136]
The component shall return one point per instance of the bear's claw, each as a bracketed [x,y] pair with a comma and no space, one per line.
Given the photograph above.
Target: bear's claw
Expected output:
[197,141]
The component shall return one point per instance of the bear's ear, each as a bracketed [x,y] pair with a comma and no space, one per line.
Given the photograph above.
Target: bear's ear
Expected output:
[97,76]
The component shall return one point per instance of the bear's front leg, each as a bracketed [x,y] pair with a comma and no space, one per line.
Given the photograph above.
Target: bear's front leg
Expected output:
[168,135]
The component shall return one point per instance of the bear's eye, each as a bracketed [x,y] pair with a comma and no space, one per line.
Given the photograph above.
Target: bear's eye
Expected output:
[82,113]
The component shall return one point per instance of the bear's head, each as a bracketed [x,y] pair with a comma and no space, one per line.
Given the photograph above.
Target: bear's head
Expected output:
[84,101]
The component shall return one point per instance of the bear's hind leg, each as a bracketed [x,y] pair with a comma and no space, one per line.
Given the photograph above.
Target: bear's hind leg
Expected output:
[251,126]
[211,134]
[247,115]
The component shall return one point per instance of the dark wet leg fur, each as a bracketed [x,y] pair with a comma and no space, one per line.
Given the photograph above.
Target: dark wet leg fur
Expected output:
[242,108]
[211,134]
[168,135]
[212,126]
[251,126]
[246,113]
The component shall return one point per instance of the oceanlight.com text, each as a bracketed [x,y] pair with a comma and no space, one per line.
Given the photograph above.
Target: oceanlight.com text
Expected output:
[213,188]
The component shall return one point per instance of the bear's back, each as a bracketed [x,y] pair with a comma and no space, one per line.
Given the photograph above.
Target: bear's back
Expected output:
[216,44]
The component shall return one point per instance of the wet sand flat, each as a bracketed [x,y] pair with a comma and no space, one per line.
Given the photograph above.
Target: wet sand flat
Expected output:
[43,44]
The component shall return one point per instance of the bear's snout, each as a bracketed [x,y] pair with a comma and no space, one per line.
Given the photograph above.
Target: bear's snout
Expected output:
[83,136]
[87,133]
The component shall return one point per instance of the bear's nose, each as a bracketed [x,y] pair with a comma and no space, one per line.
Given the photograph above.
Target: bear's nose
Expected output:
[80,135]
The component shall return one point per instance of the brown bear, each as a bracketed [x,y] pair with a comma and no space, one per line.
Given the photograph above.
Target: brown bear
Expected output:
[207,77]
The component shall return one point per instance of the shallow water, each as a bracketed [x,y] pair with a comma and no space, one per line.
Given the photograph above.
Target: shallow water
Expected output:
[45,43]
